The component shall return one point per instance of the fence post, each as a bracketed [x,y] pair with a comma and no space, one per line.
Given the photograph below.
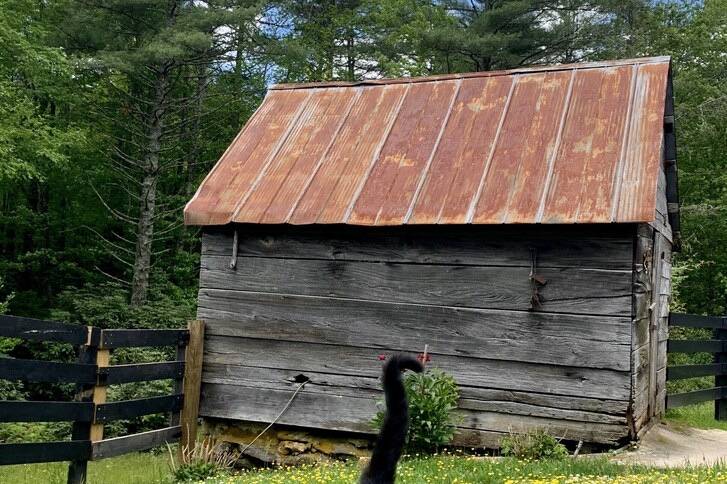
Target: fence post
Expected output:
[192,384]
[84,393]
[103,356]
[720,406]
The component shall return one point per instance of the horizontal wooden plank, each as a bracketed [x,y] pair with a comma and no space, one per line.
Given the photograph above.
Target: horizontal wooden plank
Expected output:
[44,452]
[603,247]
[41,330]
[482,399]
[355,361]
[697,321]
[46,371]
[587,341]
[124,409]
[697,346]
[141,372]
[123,338]
[568,290]
[135,443]
[352,414]
[33,411]
[680,372]
[696,396]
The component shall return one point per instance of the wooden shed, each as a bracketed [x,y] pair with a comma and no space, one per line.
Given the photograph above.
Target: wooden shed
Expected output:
[519,223]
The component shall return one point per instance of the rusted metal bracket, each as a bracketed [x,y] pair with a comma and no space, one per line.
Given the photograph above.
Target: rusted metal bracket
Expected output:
[536,281]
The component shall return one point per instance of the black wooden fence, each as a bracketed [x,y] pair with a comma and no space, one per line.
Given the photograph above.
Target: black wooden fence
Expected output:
[718,368]
[92,374]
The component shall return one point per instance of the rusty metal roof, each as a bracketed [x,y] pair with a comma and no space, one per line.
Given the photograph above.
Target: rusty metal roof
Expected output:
[578,143]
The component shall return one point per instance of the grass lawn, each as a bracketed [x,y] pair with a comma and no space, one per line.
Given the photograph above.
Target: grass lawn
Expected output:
[148,468]
[137,468]
[153,469]
[700,416]
[459,469]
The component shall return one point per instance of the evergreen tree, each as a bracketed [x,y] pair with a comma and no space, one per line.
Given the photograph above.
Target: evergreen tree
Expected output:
[156,59]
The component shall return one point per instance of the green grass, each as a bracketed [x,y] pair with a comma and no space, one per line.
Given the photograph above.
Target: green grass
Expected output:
[700,416]
[145,468]
[461,469]
[140,468]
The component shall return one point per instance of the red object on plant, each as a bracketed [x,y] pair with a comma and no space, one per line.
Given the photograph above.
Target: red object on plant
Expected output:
[424,358]
[382,357]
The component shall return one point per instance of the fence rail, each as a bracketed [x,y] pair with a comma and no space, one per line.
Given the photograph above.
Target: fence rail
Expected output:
[92,374]
[718,368]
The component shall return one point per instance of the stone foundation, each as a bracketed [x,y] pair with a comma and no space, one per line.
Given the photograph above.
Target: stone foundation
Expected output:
[285,446]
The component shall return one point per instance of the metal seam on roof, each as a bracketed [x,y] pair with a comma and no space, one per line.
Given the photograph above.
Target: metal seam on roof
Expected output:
[556,148]
[505,109]
[271,156]
[625,138]
[222,157]
[425,171]
[511,194]
[375,156]
[325,153]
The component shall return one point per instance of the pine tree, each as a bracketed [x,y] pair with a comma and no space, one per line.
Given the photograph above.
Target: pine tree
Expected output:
[158,60]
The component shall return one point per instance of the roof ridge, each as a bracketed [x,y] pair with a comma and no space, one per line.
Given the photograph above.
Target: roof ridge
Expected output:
[469,75]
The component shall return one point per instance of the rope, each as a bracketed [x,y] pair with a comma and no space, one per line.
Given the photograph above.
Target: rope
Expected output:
[287,405]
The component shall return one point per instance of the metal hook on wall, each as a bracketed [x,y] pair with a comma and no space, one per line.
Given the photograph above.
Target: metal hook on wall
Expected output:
[536,281]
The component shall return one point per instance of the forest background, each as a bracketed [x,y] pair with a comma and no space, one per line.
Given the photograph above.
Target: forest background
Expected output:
[112,111]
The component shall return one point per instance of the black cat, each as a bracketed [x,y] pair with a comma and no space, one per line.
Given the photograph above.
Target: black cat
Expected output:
[390,442]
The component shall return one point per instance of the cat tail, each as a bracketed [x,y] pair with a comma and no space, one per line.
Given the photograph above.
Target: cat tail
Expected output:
[392,436]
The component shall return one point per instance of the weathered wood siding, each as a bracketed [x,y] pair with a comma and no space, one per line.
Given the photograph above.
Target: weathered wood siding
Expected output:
[652,292]
[326,302]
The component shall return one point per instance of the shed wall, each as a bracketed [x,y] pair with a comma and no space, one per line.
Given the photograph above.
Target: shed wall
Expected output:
[326,302]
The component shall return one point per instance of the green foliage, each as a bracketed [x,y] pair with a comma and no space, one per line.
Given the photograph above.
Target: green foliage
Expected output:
[195,471]
[534,445]
[206,459]
[432,397]
[106,306]
[699,416]
[20,432]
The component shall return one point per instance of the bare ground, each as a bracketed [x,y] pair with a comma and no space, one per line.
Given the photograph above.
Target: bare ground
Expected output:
[671,445]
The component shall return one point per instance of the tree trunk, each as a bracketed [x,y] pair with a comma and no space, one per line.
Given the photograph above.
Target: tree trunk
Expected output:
[147,208]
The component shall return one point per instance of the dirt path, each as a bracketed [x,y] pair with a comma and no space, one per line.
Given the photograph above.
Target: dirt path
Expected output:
[669,445]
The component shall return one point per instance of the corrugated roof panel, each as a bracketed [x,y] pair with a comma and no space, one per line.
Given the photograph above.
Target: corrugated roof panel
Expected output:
[454,175]
[590,147]
[539,145]
[219,195]
[560,144]
[638,181]
[345,171]
[388,191]
[507,157]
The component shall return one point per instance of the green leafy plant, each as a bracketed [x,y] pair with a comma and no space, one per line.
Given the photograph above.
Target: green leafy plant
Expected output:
[534,445]
[206,459]
[432,397]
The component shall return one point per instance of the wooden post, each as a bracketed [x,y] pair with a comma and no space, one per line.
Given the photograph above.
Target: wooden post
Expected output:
[720,406]
[179,382]
[103,356]
[192,384]
[84,393]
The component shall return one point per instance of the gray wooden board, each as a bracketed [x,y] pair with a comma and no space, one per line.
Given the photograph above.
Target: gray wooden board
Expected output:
[135,442]
[493,400]
[490,246]
[354,414]
[349,360]
[583,291]
[587,341]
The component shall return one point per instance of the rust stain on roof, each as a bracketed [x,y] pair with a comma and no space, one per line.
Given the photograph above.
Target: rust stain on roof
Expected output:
[579,143]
